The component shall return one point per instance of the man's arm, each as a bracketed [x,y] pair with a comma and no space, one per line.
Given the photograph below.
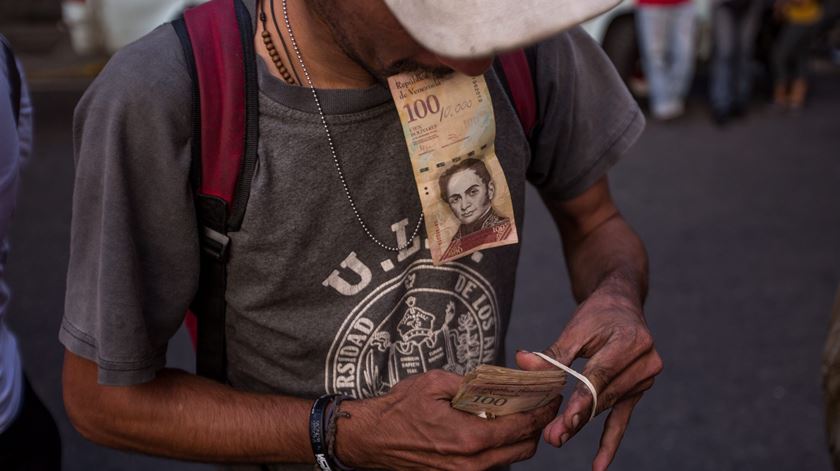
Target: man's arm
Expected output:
[183,416]
[608,268]
[180,415]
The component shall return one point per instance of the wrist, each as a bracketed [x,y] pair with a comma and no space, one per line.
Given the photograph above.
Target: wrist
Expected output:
[354,439]
[623,289]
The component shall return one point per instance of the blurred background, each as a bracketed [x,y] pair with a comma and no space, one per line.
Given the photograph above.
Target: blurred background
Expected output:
[735,189]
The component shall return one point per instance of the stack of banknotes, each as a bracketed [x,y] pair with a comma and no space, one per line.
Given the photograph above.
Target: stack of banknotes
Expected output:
[492,391]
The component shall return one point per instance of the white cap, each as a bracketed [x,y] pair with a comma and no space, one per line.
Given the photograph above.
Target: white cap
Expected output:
[463,29]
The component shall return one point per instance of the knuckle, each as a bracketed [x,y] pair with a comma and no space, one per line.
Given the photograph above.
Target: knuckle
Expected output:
[529,452]
[470,445]
[657,365]
[644,340]
[599,376]
[607,400]
[529,428]
[557,352]
[545,416]
[444,447]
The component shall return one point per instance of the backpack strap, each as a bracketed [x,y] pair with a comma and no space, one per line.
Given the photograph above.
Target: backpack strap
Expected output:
[224,155]
[514,68]
[14,77]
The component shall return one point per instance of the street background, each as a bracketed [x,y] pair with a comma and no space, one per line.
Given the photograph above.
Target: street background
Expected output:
[743,229]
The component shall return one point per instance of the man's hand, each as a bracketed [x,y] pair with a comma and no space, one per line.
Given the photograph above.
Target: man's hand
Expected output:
[623,363]
[608,269]
[414,427]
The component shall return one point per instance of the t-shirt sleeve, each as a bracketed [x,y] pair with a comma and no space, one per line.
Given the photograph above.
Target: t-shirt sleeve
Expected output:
[134,254]
[587,118]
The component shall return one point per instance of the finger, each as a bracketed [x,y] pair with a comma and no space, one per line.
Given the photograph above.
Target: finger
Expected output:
[514,428]
[561,429]
[460,459]
[506,455]
[637,378]
[526,360]
[614,429]
[601,371]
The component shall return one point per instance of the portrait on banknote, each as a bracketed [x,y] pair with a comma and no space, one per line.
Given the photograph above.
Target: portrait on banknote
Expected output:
[468,188]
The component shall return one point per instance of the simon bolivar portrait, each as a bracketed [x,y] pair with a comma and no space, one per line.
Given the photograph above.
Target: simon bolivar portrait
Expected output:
[469,190]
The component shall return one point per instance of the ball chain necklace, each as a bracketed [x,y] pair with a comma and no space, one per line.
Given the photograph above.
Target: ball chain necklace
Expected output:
[397,248]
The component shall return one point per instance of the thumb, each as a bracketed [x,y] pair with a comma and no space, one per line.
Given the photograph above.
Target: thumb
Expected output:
[526,360]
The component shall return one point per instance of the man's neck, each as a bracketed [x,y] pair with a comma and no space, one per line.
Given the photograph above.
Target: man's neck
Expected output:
[327,63]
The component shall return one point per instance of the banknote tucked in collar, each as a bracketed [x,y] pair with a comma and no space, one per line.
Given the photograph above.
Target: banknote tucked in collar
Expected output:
[450,131]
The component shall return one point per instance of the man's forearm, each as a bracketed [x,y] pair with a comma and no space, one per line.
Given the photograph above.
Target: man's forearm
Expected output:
[183,416]
[610,259]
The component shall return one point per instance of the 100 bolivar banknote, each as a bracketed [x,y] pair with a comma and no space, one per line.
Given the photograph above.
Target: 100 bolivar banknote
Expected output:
[450,131]
[493,391]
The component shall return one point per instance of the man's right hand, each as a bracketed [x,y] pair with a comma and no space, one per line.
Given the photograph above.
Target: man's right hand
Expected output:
[414,427]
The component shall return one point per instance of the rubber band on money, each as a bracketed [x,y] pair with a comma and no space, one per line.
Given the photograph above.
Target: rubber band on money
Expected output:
[583,379]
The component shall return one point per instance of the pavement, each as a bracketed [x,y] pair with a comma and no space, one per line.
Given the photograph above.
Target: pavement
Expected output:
[743,229]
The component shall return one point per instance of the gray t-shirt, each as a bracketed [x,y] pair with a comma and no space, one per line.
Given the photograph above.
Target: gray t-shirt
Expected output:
[313,305]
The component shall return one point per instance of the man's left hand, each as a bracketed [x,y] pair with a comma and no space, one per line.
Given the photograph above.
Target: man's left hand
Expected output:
[611,331]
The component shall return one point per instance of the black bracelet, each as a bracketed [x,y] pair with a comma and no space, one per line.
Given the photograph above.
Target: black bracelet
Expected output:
[316,432]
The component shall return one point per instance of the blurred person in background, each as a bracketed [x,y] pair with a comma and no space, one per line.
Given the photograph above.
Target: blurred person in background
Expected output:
[29,438]
[790,53]
[666,40]
[735,25]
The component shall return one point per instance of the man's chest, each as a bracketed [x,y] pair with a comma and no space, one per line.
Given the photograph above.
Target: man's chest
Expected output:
[304,267]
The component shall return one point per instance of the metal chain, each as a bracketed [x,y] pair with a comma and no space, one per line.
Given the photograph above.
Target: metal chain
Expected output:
[365,227]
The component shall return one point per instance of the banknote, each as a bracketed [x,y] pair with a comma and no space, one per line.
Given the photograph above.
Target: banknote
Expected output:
[492,391]
[450,131]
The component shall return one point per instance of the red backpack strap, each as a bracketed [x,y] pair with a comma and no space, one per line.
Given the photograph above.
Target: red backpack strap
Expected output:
[224,154]
[516,69]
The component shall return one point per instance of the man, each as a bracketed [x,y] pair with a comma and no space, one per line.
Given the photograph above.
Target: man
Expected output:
[468,188]
[310,310]
[666,41]
[28,435]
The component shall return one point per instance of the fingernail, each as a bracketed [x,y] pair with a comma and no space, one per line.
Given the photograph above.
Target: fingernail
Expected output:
[575,421]
[519,350]
[564,438]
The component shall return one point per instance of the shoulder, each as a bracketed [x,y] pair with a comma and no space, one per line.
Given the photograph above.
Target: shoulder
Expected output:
[149,74]
[571,50]
[158,56]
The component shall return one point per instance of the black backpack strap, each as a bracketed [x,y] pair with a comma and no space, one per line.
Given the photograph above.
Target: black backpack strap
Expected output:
[14,77]
[195,148]
[224,154]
